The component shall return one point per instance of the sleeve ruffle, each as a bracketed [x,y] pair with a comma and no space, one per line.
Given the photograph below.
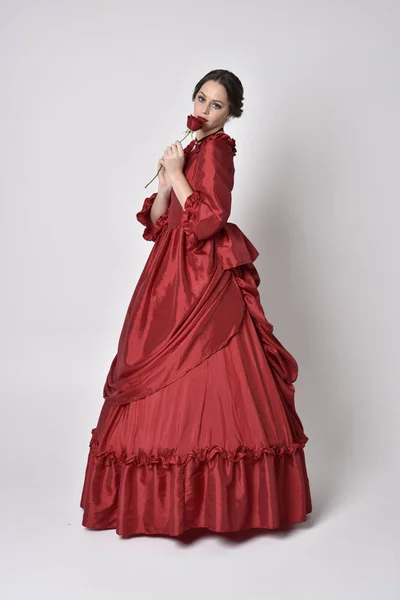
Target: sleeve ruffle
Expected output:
[189,216]
[232,246]
[151,231]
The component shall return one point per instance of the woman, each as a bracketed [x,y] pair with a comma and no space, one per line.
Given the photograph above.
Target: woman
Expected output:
[198,426]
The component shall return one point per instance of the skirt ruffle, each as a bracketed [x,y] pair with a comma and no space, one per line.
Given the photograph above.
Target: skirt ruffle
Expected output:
[219,448]
[152,495]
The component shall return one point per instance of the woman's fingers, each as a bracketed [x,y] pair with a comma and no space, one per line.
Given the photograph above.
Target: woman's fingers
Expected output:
[176,146]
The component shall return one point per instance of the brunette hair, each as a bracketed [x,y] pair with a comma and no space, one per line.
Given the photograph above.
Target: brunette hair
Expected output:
[231,83]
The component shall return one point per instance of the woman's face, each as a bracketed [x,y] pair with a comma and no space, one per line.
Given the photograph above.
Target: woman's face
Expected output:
[211,102]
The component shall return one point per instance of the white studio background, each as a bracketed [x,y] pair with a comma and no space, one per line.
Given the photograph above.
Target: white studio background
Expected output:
[91,94]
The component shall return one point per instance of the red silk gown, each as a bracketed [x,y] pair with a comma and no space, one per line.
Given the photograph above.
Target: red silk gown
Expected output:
[198,427]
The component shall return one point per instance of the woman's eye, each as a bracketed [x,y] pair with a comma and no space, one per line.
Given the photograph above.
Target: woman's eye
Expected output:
[201,98]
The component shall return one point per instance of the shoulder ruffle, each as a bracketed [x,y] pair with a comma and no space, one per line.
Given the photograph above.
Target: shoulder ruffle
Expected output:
[224,136]
[219,134]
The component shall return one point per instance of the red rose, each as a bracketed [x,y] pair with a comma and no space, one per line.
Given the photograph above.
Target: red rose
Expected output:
[192,124]
[195,123]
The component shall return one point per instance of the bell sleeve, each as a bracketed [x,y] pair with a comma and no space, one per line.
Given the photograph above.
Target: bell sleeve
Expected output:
[207,209]
[151,231]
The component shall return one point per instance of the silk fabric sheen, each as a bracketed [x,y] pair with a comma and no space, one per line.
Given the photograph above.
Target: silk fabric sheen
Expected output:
[188,303]
[195,349]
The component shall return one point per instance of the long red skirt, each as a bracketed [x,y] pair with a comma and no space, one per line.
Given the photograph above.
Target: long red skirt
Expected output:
[220,448]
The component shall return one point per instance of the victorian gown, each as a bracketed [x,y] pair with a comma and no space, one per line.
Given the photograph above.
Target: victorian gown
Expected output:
[198,428]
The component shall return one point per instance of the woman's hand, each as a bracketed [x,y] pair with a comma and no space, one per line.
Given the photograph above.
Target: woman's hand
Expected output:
[174,158]
[163,179]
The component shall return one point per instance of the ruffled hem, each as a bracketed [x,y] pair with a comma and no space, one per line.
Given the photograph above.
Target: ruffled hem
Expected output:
[271,492]
[152,231]
[208,455]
